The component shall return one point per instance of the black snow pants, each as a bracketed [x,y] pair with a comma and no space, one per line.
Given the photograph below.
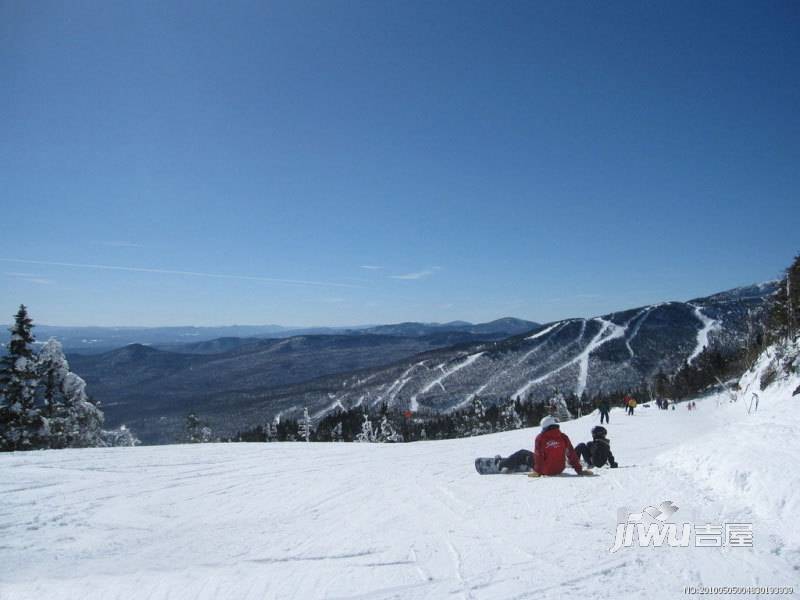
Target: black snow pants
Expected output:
[520,458]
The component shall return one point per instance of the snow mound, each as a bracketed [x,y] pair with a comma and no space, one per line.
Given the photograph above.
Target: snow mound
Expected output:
[752,459]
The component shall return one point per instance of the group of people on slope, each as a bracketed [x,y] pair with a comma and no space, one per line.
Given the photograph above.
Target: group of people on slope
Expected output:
[605,408]
[553,449]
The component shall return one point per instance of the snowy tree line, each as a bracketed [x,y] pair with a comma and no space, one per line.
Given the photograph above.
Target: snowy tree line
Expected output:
[42,403]
[784,316]
[384,425]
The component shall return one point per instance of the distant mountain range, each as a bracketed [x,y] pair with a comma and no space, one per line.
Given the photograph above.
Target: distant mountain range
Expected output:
[102,339]
[237,381]
[250,382]
[146,377]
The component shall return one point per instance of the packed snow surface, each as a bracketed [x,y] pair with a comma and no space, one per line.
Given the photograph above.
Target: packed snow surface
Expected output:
[306,521]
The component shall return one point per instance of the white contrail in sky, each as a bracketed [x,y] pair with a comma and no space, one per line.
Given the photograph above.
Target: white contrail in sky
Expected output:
[418,275]
[175,272]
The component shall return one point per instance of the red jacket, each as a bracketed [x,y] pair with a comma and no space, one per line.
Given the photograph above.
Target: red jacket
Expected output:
[551,450]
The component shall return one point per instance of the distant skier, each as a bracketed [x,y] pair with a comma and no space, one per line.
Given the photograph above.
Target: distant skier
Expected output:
[630,404]
[552,449]
[597,452]
[604,407]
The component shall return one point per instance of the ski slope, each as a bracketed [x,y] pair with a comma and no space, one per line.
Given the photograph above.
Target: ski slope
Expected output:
[313,521]
[707,326]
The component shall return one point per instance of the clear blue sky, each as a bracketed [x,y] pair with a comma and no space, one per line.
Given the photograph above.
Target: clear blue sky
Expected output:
[534,159]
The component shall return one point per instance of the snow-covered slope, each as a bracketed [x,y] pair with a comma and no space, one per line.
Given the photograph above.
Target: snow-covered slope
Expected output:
[294,520]
[753,460]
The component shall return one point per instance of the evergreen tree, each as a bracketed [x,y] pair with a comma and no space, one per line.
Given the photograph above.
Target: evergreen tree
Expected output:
[388,432]
[784,315]
[305,426]
[122,436]
[22,426]
[367,434]
[52,368]
[82,417]
[509,418]
[74,419]
[195,432]
[476,422]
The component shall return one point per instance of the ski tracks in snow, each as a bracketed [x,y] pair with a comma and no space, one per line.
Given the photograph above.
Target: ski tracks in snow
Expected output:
[372,521]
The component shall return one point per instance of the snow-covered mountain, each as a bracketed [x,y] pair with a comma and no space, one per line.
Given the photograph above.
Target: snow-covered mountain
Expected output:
[506,326]
[415,521]
[96,340]
[608,353]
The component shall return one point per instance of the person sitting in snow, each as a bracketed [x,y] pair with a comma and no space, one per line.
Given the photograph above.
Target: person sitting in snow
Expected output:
[597,452]
[552,450]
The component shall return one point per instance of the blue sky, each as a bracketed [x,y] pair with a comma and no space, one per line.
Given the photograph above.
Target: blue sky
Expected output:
[364,162]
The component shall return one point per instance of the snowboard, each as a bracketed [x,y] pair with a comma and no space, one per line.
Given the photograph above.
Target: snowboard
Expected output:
[488,466]
[567,475]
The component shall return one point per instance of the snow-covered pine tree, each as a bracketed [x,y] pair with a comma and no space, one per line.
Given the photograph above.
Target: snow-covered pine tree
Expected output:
[193,429]
[122,436]
[476,420]
[388,432]
[305,426]
[74,419]
[22,426]
[367,434]
[83,418]
[509,418]
[52,367]
[785,310]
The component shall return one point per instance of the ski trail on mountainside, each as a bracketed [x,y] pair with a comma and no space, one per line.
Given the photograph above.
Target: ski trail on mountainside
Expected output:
[582,359]
[544,332]
[396,386]
[640,318]
[524,357]
[708,325]
[445,374]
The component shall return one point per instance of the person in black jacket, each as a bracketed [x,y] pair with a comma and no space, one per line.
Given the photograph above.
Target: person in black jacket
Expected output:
[597,452]
[604,408]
